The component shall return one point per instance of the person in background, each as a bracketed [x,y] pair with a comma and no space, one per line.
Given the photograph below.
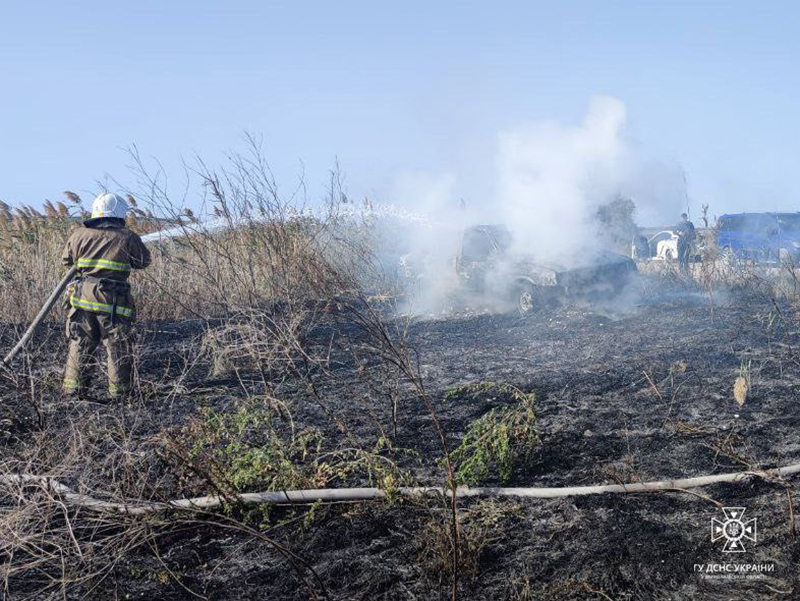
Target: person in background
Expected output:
[686,236]
[100,305]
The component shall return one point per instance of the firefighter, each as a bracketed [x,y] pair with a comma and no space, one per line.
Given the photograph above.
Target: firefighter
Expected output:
[686,236]
[100,307]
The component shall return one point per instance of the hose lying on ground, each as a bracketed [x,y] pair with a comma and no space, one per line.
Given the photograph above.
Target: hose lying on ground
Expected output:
[368,494]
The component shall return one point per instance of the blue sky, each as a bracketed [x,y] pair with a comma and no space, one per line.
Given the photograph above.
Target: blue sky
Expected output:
[395,88]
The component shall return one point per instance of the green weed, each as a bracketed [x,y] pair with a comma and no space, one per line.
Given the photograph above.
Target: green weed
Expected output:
[498,441]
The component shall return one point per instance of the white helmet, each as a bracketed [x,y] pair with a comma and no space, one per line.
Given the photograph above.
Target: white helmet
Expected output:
[109,205]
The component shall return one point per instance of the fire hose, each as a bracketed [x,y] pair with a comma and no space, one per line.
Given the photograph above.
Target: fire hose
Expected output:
[295,497]
[51,300]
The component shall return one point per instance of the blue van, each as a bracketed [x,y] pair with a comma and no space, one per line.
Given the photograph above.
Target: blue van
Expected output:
[759,236]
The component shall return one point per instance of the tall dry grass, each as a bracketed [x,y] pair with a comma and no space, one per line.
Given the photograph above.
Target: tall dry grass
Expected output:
[31,244]
[254,249]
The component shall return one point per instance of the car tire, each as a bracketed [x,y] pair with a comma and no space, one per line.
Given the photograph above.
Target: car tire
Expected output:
[528,299]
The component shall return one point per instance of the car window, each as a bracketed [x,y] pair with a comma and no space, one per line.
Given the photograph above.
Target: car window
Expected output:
[660,236]
[751,224]
[732,223]
[766,223]
[477,246]
[789,221]
[500,236]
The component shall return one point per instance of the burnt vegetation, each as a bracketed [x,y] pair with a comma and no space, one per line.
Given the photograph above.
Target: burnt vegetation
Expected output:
[271,357]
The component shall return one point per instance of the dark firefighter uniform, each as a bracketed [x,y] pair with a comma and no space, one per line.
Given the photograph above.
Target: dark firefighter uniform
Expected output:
[100,305]
[686,237]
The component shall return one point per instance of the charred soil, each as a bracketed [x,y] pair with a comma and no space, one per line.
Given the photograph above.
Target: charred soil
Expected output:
[645,394]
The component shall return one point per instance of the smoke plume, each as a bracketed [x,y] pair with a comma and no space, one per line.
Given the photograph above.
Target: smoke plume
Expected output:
[550,179]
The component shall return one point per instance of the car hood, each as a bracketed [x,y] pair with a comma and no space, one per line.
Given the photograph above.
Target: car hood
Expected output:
[585,260]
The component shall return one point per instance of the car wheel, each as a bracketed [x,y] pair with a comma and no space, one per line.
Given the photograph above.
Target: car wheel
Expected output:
[528,298]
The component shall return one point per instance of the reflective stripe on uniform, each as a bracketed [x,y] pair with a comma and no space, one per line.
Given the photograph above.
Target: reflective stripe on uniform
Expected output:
[69,384]
[117,388]
[82,303]
[104,264]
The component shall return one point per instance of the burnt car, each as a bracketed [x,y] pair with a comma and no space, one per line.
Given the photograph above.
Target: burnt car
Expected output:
[485,264]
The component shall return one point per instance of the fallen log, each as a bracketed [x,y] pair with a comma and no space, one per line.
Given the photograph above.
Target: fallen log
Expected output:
[300,497]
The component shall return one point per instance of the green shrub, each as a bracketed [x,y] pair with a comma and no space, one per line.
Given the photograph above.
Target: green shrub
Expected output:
[247,449]
[255,447]
[498,441]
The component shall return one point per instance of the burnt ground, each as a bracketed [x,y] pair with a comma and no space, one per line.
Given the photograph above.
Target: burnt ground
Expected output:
[645,394]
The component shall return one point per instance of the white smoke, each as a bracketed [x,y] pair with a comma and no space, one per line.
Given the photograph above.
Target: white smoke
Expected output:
[552,178]
[549,181]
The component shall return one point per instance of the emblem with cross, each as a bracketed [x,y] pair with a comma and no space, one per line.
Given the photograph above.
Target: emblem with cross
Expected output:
[733,529]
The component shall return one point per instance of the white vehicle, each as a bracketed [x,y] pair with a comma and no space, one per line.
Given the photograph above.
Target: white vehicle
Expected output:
[665,245]
[662,246]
